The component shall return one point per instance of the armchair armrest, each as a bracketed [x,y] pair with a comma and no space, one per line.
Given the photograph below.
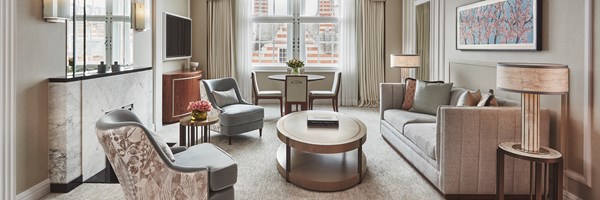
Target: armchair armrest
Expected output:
[391,95]
[467,139]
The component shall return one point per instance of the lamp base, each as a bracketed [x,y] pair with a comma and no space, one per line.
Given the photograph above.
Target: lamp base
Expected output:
[540,152]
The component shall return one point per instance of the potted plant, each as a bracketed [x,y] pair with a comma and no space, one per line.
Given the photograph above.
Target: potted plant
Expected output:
[199,110]
[295,64]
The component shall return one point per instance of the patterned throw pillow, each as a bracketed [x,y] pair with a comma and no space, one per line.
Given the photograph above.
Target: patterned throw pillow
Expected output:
[488,100]
[409,92]
[469,98]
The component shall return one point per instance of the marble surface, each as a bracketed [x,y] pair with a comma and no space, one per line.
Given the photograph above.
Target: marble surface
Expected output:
[74,107]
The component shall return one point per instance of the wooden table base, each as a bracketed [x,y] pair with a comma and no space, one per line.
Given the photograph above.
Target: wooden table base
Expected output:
[322,172]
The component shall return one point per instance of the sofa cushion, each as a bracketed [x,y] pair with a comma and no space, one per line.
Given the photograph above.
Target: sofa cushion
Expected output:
[488,100]
[455,94]
[224,98]
[399,118]
[429,96]
[222,169]
[424,136]
[469,98]
[237,114]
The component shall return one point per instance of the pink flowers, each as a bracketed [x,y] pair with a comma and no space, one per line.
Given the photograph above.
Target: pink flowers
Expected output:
[202,106]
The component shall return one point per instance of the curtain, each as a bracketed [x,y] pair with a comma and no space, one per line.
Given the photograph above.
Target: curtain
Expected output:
[371,52]
[220,38]
[348,52]
[423,38]
[408,27]
[242,49]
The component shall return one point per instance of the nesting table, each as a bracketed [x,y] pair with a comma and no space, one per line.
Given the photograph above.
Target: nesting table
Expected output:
[548,162]
[321,159]
[188,130]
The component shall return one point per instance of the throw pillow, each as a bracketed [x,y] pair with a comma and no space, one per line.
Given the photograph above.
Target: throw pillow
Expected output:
[488,100]
[409,92]
[429,96]
[469,98]
[224,98]
[164,147]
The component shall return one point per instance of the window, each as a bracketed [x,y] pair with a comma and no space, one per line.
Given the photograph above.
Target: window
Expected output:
[304,29]
[102,33]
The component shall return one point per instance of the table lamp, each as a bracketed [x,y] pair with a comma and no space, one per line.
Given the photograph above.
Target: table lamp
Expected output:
[405,61]
[532,80]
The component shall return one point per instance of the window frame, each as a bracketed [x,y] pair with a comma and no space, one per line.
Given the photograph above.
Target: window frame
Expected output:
[296,47]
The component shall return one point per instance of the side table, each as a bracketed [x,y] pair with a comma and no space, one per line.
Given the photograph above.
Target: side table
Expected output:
[188,130]
[548,162]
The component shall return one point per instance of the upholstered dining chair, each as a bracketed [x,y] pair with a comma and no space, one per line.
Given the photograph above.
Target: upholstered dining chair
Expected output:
[296,92]
[265,94]
[147,168]
[237,116]
[328,94]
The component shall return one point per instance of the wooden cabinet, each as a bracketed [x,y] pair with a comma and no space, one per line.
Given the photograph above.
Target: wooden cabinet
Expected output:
[179,89]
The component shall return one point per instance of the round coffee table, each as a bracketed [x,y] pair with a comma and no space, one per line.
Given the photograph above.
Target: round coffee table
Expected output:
[321,159]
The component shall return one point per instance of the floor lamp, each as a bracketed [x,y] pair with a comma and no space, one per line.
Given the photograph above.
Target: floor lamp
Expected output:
[532,80]
[409,61]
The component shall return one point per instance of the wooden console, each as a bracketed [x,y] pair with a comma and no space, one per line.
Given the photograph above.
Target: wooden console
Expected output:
[179,89]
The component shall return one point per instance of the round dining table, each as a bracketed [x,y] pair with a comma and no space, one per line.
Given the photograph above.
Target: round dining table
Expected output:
[311,77]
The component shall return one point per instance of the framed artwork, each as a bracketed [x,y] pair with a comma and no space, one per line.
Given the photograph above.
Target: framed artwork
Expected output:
[499,25]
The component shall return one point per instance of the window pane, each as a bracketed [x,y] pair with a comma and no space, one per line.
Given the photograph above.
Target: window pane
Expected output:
[96,43]
[321,8]
[321,43]
[122,49]
[95,7]
[270,8]
[121,7]
[270,43]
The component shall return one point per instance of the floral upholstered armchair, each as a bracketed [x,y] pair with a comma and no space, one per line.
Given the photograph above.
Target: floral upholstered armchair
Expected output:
[147,169]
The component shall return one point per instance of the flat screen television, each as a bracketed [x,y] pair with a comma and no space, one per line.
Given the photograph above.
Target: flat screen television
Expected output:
[178,36]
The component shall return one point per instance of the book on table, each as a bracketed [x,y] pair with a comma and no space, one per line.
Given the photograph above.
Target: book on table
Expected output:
[322,120]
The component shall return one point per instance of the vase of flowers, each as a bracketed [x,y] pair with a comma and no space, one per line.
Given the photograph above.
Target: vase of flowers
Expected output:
[199,110]
[295,64]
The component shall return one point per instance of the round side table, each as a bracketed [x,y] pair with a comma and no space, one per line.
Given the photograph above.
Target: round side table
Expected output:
[548,162]
[189,130]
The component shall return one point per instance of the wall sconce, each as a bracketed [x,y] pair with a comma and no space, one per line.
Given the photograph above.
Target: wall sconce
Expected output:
[139,17]
[57,11]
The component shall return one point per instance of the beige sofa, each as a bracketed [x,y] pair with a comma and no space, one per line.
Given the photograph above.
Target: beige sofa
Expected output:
[456,150]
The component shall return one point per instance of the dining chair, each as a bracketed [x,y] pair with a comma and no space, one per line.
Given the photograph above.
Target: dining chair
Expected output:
[328,94]
[265,94]
[296,87]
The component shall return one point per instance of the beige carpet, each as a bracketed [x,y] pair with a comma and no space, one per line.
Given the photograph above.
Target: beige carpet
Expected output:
[388,175]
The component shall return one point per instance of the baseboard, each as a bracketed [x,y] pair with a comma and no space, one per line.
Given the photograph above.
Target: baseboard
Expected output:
[570,196]
[65,188]
[36,192]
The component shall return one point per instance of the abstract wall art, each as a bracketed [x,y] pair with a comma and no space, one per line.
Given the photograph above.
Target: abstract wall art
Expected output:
[499,25]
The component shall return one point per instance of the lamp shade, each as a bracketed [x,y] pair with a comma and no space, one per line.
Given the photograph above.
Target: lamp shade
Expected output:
[533,78]
[57,11]
[405,61]
[139,16]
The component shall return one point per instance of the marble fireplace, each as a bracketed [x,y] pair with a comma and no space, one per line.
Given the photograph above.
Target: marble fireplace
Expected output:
[75,154]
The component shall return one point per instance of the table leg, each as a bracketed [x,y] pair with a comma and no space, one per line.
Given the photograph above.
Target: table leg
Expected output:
[499,175]
[193,135]
[288,161]
[557,175]
[538,181]
[182,136]
[208,127]
[205,133]
[360,177]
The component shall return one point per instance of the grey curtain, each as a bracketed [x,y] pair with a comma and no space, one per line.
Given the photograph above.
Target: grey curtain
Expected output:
[220,38]
[371,54]
[423,39]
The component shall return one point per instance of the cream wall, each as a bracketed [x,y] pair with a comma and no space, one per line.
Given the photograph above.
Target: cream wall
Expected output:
[393,37]
[178,7]
[198,13]
[40,54]
[562,42]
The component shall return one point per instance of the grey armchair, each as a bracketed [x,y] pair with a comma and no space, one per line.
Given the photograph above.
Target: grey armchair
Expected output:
[145,172]
[237,118]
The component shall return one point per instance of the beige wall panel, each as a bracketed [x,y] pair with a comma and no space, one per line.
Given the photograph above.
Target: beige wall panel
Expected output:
[393,37]
[199,31]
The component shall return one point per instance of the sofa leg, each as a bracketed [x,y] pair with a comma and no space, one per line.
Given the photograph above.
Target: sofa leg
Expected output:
[229,138]
[260,132]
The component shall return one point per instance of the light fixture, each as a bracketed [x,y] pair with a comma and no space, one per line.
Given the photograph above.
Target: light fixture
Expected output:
[532,80]
[57,11]
[139,16]
[405,61]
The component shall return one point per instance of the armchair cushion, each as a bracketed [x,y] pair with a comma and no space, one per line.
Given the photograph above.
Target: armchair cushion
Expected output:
[222,168]
[399,118]
[238,114]
[224,98]
[269,93]
[323,93]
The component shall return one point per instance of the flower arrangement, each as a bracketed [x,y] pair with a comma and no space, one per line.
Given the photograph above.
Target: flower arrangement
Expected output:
[295,64]
[199,109]
[202,106]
